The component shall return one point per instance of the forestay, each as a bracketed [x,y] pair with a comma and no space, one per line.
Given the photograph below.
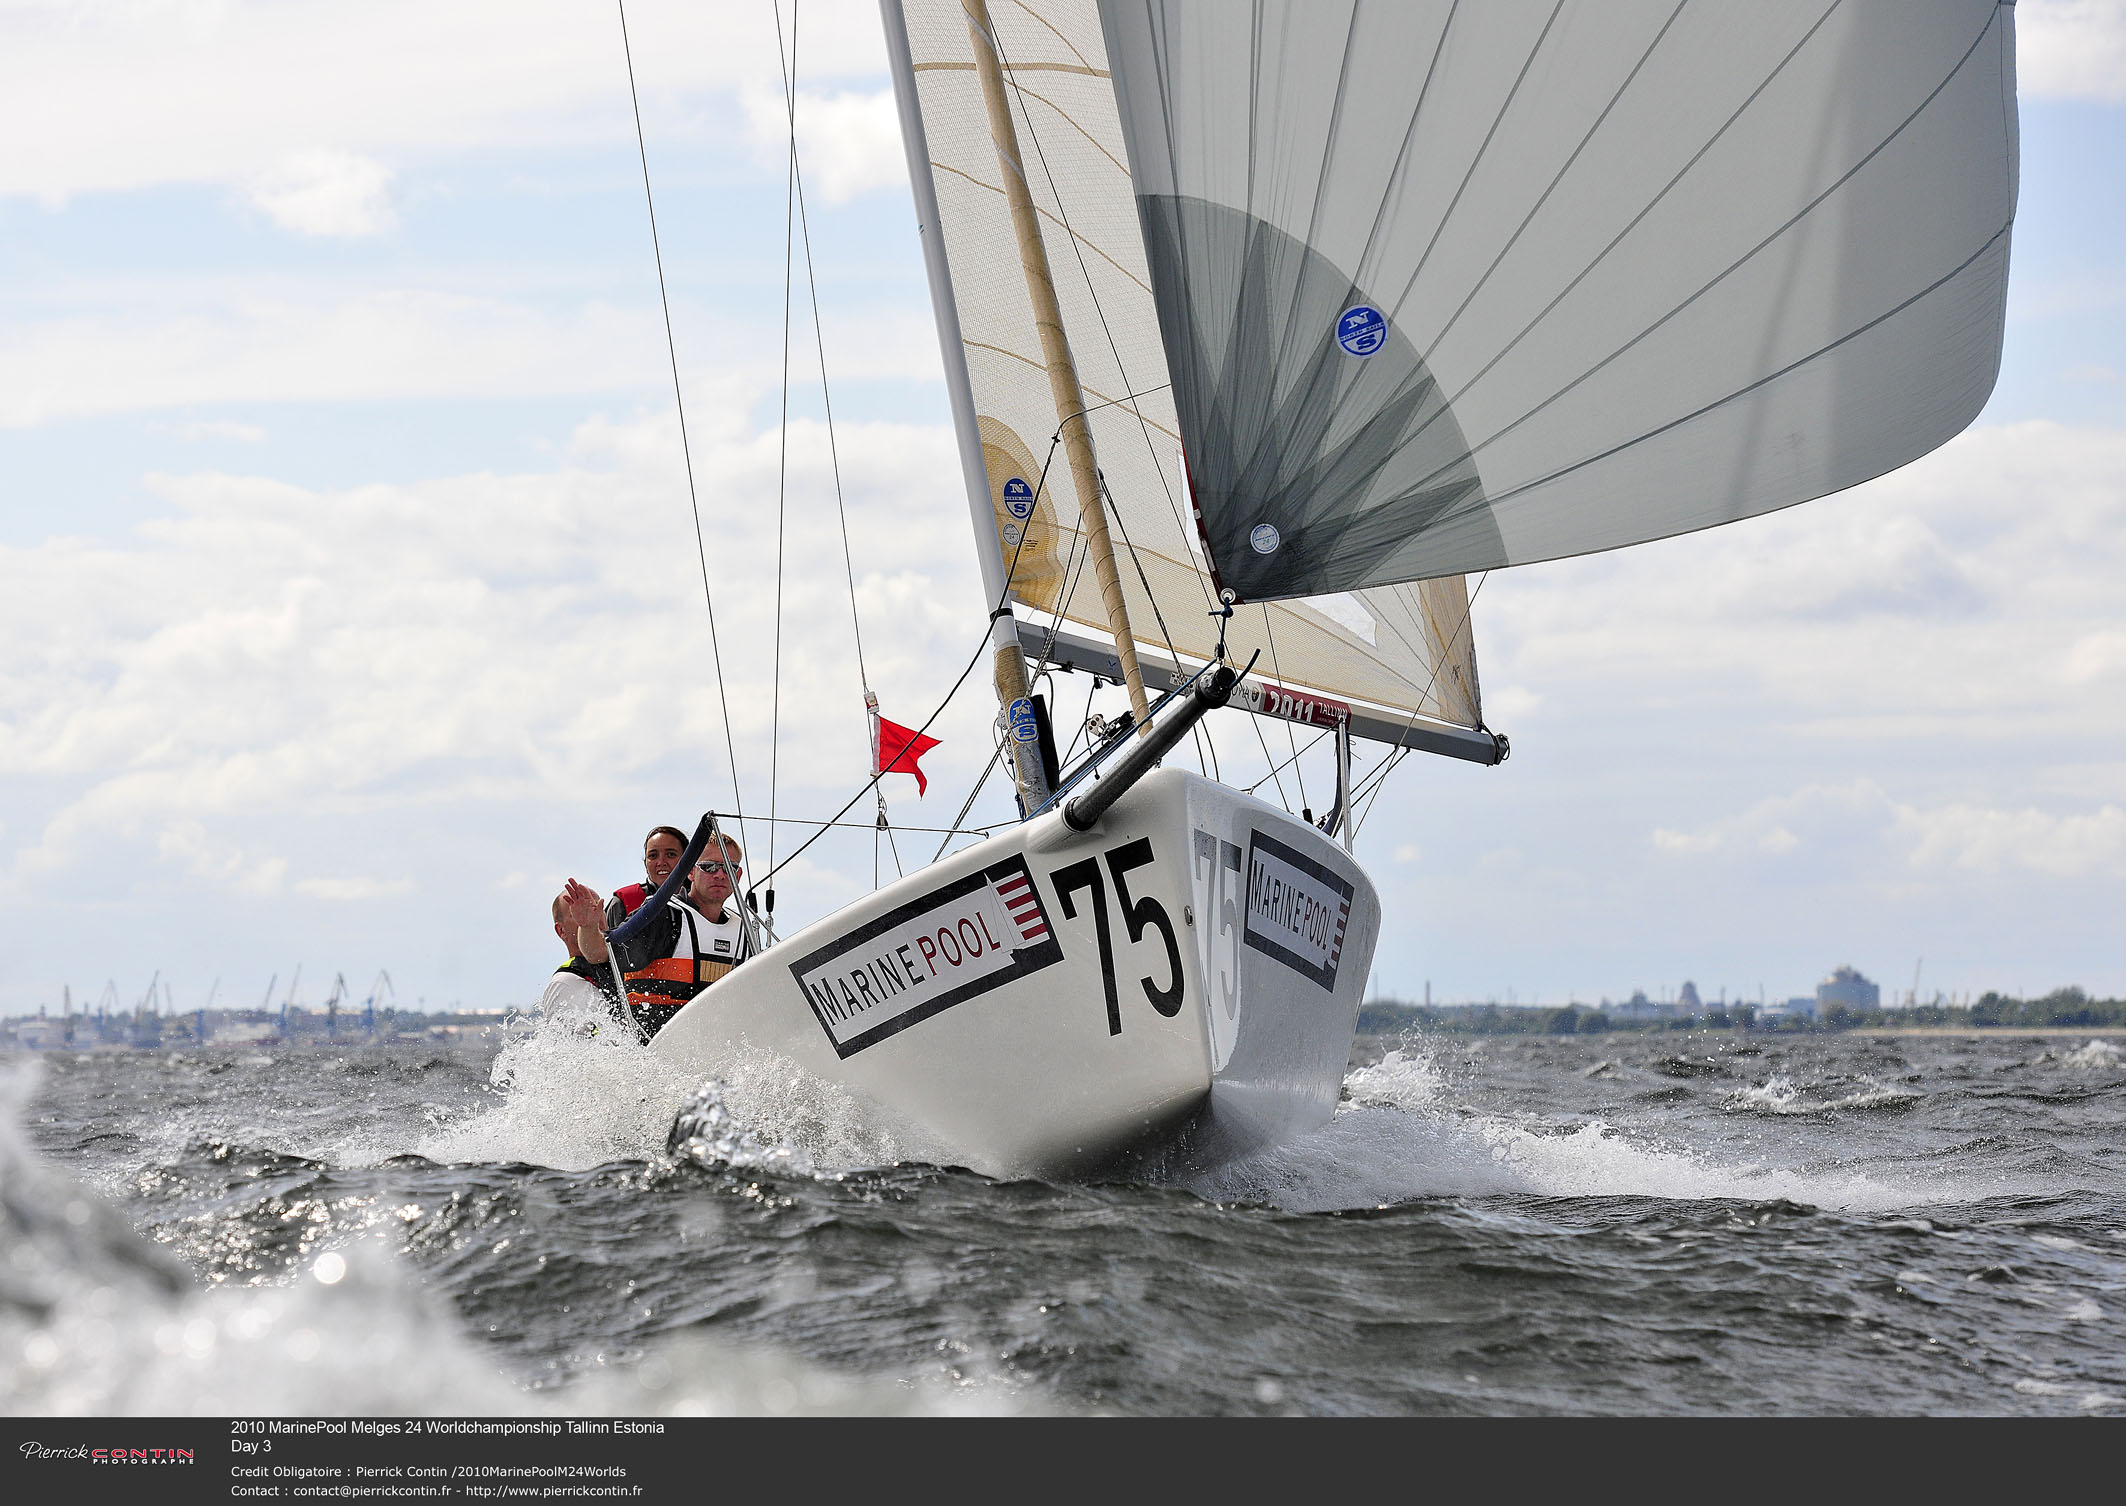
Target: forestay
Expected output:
[1451,286]
[1405,648]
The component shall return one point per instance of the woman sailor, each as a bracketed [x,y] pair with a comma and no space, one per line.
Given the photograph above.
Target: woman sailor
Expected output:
[661,851]
[683,948]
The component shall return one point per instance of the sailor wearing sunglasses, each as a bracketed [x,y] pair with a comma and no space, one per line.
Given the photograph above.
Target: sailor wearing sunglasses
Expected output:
[695,941]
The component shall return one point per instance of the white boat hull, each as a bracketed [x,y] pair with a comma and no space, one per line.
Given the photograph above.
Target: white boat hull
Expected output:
[1180,983]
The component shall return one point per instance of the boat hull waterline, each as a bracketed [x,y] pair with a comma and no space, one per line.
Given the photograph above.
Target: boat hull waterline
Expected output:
[1180,983]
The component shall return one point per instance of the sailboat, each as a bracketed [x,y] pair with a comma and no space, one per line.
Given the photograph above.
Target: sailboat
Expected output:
[1265,327]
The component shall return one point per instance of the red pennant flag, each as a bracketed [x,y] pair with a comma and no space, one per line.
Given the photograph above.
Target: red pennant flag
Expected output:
[898,750]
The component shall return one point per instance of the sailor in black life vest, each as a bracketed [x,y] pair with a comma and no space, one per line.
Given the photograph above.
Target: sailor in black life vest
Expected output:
[661,851]
[694,942]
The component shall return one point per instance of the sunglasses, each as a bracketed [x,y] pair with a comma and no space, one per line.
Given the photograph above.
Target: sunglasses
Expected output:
[728,865]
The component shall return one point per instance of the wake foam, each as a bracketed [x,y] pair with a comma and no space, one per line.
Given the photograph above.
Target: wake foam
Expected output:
[763,1112]
[1403,1134]
[570,1089]
[1397,1081]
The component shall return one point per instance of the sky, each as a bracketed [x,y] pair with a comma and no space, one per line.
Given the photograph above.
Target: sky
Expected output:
[351,601]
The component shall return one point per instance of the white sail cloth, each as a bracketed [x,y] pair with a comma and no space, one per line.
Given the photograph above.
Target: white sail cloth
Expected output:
[1448,286]
[1405,648]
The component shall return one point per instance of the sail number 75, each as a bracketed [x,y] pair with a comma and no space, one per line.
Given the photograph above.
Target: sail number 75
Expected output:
[1139,915]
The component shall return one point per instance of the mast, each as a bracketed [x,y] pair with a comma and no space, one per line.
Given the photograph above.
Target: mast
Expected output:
[1055,350]
[1008,659]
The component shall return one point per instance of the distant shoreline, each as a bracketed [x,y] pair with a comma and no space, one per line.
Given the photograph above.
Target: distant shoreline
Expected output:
[1984,1030]
[1974,1032]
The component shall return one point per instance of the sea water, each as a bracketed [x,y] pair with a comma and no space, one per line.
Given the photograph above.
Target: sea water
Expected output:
[1624,1224]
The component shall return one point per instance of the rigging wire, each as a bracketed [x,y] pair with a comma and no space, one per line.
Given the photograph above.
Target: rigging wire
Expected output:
[891,845]
[1267,756]
[1073,568]
[870,785]
[949,831]
[1291,736]
[1071,563]
[671,346]
[1312,743]
[788,65]
[1377,781]
[804,226]
[1086,726]
[1208,763]
[1401,748]
[996,757]
[1165,633]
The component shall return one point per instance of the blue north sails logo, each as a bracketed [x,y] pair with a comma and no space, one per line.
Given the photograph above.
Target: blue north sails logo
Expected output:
[1361,330]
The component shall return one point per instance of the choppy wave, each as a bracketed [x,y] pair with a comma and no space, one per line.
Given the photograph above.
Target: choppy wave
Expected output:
[100,1322]
[1402,1135]
[506,1231]
[1779,1095]
[569,1091]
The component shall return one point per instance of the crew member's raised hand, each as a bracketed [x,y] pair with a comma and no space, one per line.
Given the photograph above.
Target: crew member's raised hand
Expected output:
[583,909]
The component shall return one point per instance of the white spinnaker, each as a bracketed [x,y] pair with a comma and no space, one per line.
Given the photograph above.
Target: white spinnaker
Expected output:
[1403,648]
[1640,266]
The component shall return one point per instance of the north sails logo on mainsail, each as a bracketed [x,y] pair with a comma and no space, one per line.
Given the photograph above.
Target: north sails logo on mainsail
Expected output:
[1361,330]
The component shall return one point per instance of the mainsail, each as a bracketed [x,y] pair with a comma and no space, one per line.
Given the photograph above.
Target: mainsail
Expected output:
[1404,648]
[1449,286]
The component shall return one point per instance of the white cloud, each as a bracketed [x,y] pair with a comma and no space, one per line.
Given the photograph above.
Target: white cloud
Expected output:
[1859,831]
[326,193]
[1939,600]
[1507,704]
[353,888]
[114,97]
[266,659]
[2071,49]
[2078,845]
[848,143]
[2095,656]
[2064,294]
[182,842]
[130,345]
[296,340]
[1832,818]
[216,428]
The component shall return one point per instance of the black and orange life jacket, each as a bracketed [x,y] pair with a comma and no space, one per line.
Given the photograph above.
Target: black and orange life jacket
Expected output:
[669,982]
